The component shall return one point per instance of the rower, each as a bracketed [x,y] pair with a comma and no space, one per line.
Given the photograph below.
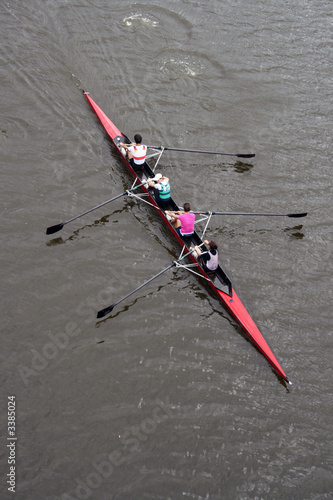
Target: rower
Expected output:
[161,187]
[210,258]
[183,220]
[136,153]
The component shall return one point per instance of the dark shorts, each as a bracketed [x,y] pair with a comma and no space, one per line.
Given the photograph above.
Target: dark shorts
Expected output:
[136,168]
[187,235]
[205,268]
[160,202]
[163,203]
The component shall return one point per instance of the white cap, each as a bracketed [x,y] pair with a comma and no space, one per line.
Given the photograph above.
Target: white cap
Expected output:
[157,177]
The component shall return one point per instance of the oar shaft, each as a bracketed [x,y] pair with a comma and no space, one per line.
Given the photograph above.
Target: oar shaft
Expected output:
[203,152]
[107,310]
[58,227]
[97,206]
[145,283]
[303,214]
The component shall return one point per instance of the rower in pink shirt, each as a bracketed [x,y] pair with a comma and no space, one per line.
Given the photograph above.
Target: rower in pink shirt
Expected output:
[183,220]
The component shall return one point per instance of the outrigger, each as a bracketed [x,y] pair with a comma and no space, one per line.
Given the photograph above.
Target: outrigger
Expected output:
[218,281]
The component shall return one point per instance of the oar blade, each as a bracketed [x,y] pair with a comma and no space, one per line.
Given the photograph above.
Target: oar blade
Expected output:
[304,214]
[105,312]
[54,229]
[245,156]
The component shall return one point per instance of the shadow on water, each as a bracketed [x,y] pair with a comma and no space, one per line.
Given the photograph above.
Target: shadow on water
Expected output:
[292,232]
[295,232]
[238,166]
[241,167]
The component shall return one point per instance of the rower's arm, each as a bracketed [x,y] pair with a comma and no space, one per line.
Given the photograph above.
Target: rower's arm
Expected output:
[126,146]
[196,248]
[173,215]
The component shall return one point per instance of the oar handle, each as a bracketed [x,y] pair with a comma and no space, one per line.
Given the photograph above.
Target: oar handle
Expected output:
[201,244]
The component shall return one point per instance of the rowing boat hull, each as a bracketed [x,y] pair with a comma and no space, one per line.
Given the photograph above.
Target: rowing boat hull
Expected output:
[222,286]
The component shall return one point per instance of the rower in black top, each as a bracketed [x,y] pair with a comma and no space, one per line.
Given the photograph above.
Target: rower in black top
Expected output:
[210,258]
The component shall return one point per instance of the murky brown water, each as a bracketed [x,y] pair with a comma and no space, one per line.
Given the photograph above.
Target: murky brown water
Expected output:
[166,398]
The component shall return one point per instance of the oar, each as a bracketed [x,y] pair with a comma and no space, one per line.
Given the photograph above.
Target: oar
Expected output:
[303,214]
[204,152]
[58,227]
[107,310]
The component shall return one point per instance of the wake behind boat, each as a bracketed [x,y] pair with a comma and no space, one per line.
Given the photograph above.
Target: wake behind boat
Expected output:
[219,282]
